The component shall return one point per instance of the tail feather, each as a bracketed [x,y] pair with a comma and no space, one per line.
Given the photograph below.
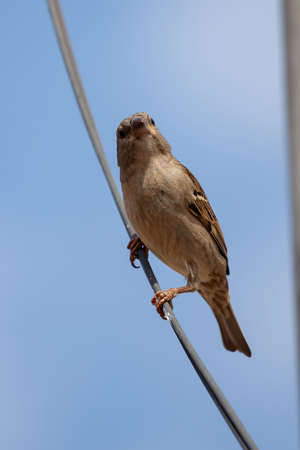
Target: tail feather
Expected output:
[232,336]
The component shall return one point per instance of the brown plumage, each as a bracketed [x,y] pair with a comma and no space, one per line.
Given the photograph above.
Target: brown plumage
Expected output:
[173,218]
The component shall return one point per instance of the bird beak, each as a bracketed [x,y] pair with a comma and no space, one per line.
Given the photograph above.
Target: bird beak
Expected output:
[138,124]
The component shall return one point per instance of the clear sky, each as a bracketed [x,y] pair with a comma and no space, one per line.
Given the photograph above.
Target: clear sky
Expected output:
[86,363]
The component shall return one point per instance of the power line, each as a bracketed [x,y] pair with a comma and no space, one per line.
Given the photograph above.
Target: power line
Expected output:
[292,41]
[214,391]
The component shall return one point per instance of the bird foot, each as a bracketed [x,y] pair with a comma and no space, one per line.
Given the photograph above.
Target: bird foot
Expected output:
[134,245]
[162,297]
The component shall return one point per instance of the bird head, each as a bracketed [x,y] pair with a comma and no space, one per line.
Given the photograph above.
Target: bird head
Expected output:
[139,139]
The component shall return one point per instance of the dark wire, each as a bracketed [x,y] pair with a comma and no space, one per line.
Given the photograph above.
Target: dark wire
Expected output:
[214,391]
[291,17]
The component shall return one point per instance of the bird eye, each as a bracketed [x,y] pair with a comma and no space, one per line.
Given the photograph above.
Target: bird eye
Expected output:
[123,132]
[152,122]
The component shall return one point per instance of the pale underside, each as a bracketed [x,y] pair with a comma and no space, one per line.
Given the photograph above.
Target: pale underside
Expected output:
[156,203]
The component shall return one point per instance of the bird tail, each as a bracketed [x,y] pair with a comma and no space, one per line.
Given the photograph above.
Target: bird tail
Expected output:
[232,336]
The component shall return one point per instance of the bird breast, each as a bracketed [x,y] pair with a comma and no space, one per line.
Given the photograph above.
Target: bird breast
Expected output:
[156,199]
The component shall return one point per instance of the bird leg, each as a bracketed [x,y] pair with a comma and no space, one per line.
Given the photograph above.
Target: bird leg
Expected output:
[134,245]
[162,297]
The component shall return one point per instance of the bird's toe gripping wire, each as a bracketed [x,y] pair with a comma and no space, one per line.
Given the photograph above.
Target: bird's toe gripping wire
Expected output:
[161,297]
[134,245]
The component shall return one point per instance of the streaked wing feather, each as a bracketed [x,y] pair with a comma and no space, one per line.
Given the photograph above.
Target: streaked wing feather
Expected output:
[202,210]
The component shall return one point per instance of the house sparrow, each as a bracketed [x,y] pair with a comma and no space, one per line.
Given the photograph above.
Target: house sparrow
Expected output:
[173,218]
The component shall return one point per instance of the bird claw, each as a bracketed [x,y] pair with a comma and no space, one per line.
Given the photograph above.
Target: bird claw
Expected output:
[132,258]
[162,297]
[134,245]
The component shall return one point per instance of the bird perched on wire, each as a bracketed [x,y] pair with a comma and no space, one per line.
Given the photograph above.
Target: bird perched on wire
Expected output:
[173,218]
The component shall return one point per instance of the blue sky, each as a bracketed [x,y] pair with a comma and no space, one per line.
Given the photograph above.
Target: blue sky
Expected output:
[85,360]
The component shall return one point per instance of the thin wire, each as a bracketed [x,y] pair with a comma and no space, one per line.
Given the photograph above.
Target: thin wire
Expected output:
[214,391]
[291,14]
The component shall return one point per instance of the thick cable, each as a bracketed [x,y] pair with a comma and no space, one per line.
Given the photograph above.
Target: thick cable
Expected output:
[214,391]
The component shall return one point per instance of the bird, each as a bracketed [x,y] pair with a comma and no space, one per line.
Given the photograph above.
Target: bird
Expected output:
[172,218]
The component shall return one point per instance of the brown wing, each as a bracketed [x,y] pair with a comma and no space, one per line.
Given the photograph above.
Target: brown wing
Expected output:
[202,210]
